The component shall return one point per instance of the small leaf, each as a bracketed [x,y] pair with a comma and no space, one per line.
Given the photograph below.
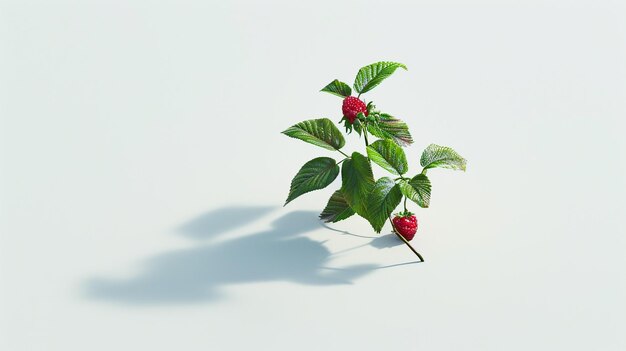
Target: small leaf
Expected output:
[321,132]
[337,208]
[314,175]
[357,181]
[417,189]
[370,76]
[338,88]
[381,202]
[389,156]
[371,108]
[442,157]
[358,126]
[389,127]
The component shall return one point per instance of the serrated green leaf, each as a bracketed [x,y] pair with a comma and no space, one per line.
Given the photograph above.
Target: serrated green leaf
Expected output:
[357,181]
[338,88]
[321,132]
[370,76]
[442,157]
[314,175]
[382,200]
[337,208]
[389,127]
[388,155]
[417,189]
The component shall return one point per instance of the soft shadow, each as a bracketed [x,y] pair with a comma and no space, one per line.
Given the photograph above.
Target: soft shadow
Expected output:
[400,264]
[386,241]
[216,222]
[198,274]
[344,232]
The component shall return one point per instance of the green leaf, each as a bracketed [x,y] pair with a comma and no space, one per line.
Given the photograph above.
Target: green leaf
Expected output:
[357,181]
[338,88]
[442,157]
[371,108]
[389,156]
[337,208]
[321,132]
[417,189]
[358,126]
[370,76]
[314,175]
[389,127]
[383,199]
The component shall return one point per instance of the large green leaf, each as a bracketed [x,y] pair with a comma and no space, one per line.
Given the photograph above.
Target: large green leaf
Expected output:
[442,157]
[383,199]
[321,132]
[389,127]
[357,181]
[389,156]
[417,189]
[338,88]
[315,174]
[370,76]
[337,208]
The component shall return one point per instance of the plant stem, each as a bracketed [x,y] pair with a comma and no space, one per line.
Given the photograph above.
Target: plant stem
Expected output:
[343,153]
[342,161]
[405,241]
[405,204]
[365,133]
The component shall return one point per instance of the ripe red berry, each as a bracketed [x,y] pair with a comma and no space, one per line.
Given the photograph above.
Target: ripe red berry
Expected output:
[405,226]
[352,106]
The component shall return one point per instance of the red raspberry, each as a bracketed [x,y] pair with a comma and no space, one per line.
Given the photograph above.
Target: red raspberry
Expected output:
[405,226]
[352,106]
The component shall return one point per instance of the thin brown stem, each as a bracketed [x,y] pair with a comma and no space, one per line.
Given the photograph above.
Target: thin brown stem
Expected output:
[405,241]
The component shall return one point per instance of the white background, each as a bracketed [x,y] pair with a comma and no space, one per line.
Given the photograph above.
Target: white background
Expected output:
[143,175]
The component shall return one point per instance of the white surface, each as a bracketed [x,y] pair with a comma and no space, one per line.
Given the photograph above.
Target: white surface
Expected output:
[143,173]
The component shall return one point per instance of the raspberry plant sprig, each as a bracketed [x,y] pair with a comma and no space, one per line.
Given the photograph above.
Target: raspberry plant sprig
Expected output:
[361,194]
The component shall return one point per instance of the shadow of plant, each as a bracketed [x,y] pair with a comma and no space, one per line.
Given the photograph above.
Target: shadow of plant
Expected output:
[197,274]
[214,223]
